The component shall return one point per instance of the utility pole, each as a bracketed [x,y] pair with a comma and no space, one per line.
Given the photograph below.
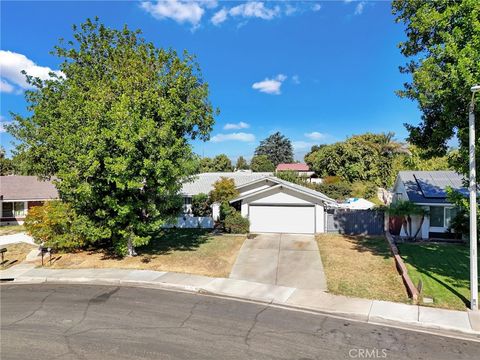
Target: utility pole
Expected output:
[473,205]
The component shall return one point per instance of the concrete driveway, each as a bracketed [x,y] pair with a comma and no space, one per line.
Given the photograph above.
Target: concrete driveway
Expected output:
[281,259]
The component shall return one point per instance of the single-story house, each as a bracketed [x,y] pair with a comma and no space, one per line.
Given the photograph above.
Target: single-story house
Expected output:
[301,169]
[428,189]
[20,193]
[278,206]
[203,184]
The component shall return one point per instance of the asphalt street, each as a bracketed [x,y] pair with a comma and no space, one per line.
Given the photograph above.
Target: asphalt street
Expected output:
[48,321]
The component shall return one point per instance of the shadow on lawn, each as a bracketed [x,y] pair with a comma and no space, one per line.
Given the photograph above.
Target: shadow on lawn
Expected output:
[447,264]
[166,242]
[375,245]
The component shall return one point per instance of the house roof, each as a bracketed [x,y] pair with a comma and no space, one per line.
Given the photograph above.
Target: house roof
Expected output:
[203,183]
[289,185]
[293,167]
[429,187]
[14,187]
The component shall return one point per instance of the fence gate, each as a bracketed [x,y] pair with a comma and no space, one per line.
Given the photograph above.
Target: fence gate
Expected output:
[355,222]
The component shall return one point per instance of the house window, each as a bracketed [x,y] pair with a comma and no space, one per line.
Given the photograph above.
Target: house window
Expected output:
[7,209]
[13,209]
[436,216]
[441,216]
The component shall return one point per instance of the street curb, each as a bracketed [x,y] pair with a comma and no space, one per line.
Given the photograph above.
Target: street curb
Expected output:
[376,320]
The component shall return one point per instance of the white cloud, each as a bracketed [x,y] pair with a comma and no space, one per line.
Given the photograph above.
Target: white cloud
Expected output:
[252,9]
[270,86]
[11,66]
[220,16]
[177,10]
[315,135]
[255,9]
[296,79]
[237,126]
[289,9]
[301,145]
[246,137]
[359,8]
[316,7]
[6,87]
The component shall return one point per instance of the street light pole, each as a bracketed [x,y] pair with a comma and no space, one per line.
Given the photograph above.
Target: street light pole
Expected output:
[473,205]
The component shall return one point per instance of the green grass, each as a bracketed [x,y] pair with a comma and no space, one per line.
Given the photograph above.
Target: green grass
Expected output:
[444,271]
[11,229]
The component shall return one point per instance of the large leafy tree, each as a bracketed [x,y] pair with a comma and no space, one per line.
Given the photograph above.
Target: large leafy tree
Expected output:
[221,163]
[241,164]
[115,130]
[277,148]
[6,164]
[366,157]
[261,163]
[443,45]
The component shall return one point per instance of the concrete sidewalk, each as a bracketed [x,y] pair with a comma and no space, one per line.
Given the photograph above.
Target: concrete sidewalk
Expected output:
[291,260]
[16,238]
[446,322]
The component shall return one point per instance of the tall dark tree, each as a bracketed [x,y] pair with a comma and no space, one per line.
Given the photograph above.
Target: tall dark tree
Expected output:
[6,164]
[115,130]
[277,148]
[443,48]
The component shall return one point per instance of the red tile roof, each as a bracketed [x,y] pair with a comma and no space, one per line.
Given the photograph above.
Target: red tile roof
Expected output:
[294,167]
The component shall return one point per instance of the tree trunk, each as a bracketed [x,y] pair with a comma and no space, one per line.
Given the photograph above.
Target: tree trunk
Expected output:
[131,248]
[409,220]
[405,225]
[419,227]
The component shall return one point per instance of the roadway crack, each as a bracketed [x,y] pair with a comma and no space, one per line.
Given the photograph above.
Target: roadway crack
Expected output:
[40,306]
[192,310]
[255,321]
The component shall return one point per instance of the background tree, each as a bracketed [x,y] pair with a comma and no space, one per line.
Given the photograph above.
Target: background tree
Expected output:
[443,48]
[6,164]
[221,163]
[205,165]
[116,130]
[261,163]
[277,148]
[241,163]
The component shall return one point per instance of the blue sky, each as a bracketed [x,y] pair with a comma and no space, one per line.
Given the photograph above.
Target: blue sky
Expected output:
[315,71]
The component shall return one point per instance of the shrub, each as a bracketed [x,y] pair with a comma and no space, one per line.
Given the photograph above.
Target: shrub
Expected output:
[225,210]
[337,190]
[56,225]
[223,190]
[235,223]
[201,205]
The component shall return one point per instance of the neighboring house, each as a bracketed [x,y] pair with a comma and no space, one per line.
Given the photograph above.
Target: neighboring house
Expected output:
[275,205]
[20,193]
[428,189]
[301,169]
[203,183]
[356,204]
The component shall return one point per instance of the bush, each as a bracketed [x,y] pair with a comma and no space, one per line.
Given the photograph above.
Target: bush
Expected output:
[56,225]
[235,223]
[338,190]
[224,189]
[201,205]
[225,210]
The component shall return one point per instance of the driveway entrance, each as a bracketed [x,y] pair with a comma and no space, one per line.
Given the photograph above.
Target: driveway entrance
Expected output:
[281,259]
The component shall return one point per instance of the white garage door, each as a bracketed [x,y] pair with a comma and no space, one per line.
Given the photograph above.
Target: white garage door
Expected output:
[284,219]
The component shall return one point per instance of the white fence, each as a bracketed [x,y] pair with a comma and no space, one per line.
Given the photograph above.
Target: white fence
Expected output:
[193,222]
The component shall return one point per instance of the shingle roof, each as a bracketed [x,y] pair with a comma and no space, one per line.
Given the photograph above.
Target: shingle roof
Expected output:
[26,188]
[293,167]
[203,183]
[429,187]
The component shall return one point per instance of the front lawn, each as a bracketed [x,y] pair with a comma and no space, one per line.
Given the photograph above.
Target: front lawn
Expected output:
[361,267]
[15,254]
[183,250]
[11,229]
[443,269]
